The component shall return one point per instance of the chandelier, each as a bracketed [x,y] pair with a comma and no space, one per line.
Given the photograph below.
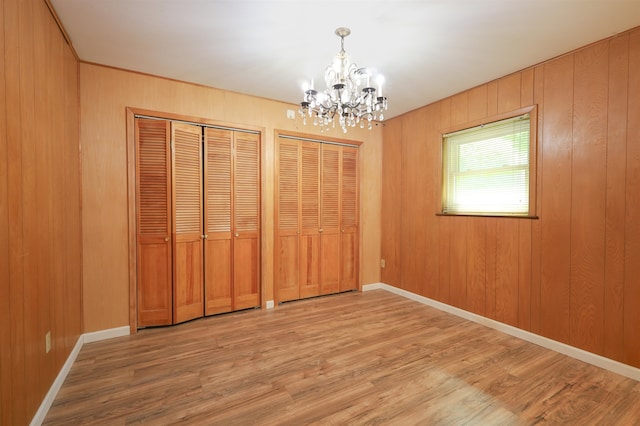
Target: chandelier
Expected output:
[348,98]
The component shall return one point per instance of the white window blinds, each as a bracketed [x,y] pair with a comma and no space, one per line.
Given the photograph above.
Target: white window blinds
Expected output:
[486,169]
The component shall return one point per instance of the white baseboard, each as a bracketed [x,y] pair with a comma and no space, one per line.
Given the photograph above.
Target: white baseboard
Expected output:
[95,336]
[580,354]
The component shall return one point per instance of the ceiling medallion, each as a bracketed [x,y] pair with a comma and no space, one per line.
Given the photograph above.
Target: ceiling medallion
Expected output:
[349,97]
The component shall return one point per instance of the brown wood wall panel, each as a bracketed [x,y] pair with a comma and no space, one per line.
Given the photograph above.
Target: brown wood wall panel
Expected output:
[507,271]
[491,251]
[632,212]
[431,263]
[458,261]
[588,188]
[571,274]
[524,274]
[5,306]
[413,202]
[476,265]
[556,199]
[391,202]
[615,197]
[40,256]
[445,223]
[36,211]
[536,227]
[509,93]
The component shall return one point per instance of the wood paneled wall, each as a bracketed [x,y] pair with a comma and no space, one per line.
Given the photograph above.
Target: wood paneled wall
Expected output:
[40,233]
[105,94]
[573,275]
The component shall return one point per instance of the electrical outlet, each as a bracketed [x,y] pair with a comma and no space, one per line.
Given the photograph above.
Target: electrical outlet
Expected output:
[47,342]
[383,263]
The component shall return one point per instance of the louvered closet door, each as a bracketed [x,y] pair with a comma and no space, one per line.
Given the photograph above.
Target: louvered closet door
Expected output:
[349,219]
[246,220]
[330,220]
[218,207]
[153,189]
[287,220]
[309,277]
[188,297]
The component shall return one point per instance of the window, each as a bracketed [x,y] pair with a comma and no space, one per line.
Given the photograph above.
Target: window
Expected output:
[488,169]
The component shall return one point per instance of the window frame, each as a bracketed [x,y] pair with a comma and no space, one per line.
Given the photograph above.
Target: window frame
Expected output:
[532,110]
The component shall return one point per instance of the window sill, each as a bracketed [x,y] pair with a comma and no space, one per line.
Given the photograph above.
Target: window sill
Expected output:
[506,216]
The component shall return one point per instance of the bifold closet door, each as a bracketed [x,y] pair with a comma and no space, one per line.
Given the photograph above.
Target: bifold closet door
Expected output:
[310,226]
[188,294]
[287,258]
[153,204]
[232,220]
[218,207]
[316,219]
[330,220]
[349,219]
[246,220]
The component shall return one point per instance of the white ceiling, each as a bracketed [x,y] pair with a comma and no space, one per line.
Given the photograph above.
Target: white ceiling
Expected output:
[426,50]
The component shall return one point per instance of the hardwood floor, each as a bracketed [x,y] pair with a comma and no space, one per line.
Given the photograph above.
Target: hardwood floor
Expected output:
[353,358]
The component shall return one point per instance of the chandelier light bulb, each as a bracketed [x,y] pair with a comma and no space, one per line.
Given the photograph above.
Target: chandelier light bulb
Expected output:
[343,96]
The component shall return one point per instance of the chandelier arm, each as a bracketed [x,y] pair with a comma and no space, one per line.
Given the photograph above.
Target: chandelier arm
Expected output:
[344,95]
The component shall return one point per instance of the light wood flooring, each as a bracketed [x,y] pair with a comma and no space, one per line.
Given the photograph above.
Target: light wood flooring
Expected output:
[353,358]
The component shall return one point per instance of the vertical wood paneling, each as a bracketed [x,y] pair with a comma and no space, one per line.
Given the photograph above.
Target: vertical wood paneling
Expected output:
[459,232]
[36,211]
[72,212]
[40,210]
[526,87]
[491,251]
[588,196]
[445,223]
[632,212]
[14,184]
[431,262]
[615,197]
[570,275]
[556,199]
[5,294]
[458,262]
[492,98]
[524,274]
[391,202]
[509,93]
[507,271]
[536,227]
[476,264]
[525,226]
[477,107]
[413,204]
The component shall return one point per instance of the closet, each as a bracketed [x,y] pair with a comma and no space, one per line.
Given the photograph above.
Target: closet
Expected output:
[316,218]
[198,220]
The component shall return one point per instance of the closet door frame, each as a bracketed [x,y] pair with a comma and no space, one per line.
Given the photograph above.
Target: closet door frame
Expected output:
[130,114]
[304,137]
